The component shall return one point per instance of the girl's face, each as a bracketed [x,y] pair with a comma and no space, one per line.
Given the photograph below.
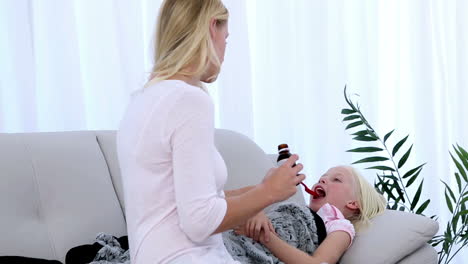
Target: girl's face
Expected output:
[338,188]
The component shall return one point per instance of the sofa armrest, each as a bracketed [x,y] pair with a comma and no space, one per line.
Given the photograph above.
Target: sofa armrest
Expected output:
[390,238]
[424,255]
[273,158]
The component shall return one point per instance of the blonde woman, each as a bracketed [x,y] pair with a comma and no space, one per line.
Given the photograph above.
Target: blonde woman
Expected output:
[346,202]
[173,176]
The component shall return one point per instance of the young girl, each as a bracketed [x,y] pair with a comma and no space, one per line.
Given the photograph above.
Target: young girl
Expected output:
[345,202]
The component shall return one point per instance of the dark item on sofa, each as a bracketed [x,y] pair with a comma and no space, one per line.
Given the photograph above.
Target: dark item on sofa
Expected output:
[26,260]
[84,254]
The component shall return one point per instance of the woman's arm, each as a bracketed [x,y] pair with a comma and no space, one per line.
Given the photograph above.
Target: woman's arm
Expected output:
[235,192]
[330,251]
[201,210]
[279,184]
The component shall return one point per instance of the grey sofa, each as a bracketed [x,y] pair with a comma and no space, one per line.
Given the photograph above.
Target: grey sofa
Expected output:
[59,189]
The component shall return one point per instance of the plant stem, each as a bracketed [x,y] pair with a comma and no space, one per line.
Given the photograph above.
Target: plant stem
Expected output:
[391,157]
[464,244]
[458,233]
[441,257]
[372,132]
[458,201]
[397,171]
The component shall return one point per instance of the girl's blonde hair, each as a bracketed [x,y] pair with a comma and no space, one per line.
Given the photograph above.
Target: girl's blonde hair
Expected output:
[183,38]
[371,202]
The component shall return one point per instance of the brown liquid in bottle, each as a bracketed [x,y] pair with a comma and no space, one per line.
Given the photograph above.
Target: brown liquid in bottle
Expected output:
[283,155]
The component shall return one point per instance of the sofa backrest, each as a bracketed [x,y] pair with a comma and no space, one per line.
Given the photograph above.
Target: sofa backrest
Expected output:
[246,162]
[55,193]
[59,189]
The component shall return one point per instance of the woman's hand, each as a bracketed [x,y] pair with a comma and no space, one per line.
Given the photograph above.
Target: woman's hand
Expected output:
[280,183]
[259,227]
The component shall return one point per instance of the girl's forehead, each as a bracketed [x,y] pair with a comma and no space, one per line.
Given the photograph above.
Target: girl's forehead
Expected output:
[339,171]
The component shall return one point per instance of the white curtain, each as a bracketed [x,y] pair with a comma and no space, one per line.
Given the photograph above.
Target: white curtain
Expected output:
[68,65]
[406,59]
[71,65]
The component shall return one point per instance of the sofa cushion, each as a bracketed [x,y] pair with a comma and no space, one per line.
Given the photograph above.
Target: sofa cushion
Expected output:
[55,193]
[391,236]
[424,255]
[107,143]
[246,162]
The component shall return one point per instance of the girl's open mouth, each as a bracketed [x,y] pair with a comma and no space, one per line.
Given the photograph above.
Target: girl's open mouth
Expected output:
[320,192]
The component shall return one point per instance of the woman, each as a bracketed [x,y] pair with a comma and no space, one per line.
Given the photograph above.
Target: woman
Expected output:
[173,176]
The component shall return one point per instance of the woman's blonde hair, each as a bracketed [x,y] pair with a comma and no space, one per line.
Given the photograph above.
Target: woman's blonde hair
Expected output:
[371,202]
[183,38]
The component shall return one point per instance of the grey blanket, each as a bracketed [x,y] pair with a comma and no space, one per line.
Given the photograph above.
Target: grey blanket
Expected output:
[293,223]
[111,251]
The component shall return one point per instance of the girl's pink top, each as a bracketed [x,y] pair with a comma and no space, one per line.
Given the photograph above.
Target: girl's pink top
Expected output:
[335,221]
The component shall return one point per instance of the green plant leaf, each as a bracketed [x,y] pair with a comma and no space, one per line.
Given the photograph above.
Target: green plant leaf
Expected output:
[372,134]
[462,157]
[385,189]
[364,138]
[450,191]
[347,99]
[463,208]
[367,149]
[464,212]
[354,124]
[351,117]
[459,167]
[347,111]
[417,196]
[377,185]
[457,177]
[398,145]
[436,243]
[454,224]
[384,168]
[388,135]
[445,245]
[464,152]
[404,158]
[360,133]
[411,172]
[391,177]
[436,240]
[423,206]
[464,200]
[397,201]
[449,203]
[400,192]
[371,159]
[411,180]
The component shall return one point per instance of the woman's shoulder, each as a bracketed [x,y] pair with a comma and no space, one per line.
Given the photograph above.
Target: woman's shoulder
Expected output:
[181,101]
[178,92]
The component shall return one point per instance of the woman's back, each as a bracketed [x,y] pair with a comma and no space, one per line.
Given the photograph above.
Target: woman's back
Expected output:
[159,121]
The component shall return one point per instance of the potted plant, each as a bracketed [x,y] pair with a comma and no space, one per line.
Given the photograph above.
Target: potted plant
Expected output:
[394,180]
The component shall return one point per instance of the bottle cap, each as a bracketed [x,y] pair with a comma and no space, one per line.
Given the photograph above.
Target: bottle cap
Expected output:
[282,146]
